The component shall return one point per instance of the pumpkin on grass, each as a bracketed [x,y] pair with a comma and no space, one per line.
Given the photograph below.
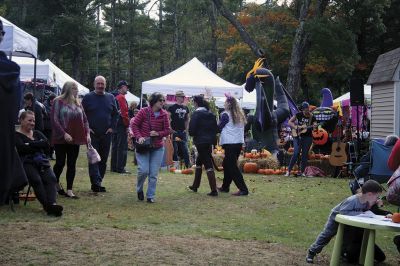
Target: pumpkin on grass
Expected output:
[172,169]
[250,167]
[261,171]
[187,171]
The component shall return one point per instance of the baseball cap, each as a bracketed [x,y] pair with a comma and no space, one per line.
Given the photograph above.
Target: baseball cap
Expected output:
[122,83]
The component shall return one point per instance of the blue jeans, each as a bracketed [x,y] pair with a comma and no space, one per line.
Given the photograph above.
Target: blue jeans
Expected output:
[149,164]
[181,146]
[102,145]
[119,149]
[302,144]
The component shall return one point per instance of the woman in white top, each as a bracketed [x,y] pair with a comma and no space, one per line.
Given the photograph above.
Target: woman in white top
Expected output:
[231,124]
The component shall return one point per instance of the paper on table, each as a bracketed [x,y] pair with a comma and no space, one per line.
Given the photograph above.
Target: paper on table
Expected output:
[370,214]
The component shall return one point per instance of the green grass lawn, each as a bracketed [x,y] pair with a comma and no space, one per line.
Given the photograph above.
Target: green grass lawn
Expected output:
[286,211]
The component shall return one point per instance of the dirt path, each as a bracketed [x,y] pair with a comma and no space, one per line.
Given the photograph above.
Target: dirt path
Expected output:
[24,244]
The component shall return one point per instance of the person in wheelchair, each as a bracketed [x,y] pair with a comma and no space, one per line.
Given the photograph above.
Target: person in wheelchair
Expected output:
[361,171]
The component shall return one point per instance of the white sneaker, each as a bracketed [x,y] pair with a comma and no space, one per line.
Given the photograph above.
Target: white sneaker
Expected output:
[287,173]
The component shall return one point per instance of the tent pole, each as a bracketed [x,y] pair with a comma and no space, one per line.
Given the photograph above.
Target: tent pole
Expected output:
[34,74]
[141,98]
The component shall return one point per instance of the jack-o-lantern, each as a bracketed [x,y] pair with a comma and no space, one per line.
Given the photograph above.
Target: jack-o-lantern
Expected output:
[320,136]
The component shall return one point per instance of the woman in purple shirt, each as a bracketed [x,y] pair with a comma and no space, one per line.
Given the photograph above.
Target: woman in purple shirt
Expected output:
[70,129]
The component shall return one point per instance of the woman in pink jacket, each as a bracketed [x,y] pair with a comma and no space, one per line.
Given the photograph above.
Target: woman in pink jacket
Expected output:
[150,122]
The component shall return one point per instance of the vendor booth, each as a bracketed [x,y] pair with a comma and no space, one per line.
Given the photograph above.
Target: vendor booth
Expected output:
[17,42]
[46,71]
[192,78]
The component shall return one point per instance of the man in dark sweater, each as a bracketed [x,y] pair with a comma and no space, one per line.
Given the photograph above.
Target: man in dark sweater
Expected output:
[101,111]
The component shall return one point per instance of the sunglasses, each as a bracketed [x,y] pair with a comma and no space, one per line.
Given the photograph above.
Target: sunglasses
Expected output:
[161,100]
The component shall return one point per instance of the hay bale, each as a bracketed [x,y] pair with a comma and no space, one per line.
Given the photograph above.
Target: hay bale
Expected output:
[263,163]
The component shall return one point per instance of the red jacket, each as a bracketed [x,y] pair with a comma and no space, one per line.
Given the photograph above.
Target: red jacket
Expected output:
[394,158]
[140,127]
[123,108]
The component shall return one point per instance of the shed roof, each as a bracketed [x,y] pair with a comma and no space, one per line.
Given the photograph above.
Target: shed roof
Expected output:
[385,67]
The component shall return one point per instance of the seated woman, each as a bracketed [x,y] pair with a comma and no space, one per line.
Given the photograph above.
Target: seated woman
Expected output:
[31,146]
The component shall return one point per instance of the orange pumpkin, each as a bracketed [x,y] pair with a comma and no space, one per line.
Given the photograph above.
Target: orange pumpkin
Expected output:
[248,155]
[172,169]
[396,217]
[320,136]
[187,171]
[261,171]
[269,171]
[250,167]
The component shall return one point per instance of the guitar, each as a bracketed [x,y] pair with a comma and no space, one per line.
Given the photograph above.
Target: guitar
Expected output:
[338,154]
[299,130]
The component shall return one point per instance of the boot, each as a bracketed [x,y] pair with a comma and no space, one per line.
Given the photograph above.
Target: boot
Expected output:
[197,179]
[212,182]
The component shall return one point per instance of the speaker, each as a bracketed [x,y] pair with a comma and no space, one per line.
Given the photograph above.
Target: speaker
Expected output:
[356,92]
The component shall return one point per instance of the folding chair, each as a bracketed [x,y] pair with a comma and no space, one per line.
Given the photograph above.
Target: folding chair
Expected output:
[377,165]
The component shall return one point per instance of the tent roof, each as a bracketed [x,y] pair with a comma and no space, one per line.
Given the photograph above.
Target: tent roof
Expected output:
[249,100]
[17,42]
[346,96]
[193,78]
[45,70]
[131,98]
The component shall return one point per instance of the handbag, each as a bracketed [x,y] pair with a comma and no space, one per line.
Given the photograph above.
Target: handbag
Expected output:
[147,144]
[92,154]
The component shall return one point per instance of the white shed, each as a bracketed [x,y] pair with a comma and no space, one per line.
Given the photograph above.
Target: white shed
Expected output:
[385,95]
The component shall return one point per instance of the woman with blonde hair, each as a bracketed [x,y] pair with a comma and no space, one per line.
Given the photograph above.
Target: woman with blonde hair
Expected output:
[231,125]
[70,129]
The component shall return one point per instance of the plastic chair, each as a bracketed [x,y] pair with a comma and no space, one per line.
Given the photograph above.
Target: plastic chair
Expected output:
[376,166]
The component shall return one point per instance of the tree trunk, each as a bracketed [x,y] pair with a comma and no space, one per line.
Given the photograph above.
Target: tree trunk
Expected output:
[213,24]
[160,37]
[131,45]
[226,13]
[113,80]
[301,47]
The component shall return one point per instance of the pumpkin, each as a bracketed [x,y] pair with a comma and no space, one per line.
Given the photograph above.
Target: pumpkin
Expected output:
[255,155]
[269,171]
[248,155]
[265,153]
[291,149]
[250,167]
[187,171]
[172,169]
[320,136]
[396,217]
[261,171]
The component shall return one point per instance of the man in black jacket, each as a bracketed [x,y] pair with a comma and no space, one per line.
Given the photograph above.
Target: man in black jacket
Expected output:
[12,176]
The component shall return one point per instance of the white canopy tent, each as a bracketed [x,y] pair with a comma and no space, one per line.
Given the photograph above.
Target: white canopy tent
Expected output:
[249,100]
[47,71]
[131,98]
[17,42]
[346,96]
[192,78]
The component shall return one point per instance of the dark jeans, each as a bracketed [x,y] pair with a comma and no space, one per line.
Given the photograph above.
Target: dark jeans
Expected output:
[70,153]
[204,156]
[47,133]
[43,183]
[181,146]
[119,149]
[102,144]
[231,169]
[302,145]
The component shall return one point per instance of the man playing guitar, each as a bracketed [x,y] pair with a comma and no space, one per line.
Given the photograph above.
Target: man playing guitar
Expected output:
[302,123]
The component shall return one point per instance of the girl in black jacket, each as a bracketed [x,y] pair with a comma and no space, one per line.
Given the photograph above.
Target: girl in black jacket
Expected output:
[203,128]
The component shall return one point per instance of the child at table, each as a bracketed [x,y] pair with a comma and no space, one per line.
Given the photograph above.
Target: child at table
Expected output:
[353,205]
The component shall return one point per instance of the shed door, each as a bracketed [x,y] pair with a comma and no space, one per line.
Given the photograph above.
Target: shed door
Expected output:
[382,110]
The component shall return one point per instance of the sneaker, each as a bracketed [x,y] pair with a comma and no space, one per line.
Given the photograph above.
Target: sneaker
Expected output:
[287,174]
[221,189]
[149,200]
[192,188]
[213,193]
[396,241]
[310,256]
[240,193]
